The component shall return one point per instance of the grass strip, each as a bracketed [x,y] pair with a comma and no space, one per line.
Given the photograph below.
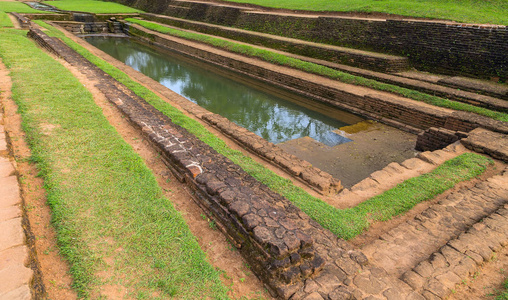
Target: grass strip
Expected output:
[503,295]
[470,11]
[313,68]
[108,210]
[92,6]
[19,7]
[345,223]
[5,21]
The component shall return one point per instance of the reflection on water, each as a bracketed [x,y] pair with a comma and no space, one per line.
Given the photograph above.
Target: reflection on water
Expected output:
[269,116]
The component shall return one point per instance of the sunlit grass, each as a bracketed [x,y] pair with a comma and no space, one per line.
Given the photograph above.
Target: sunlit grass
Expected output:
[19,7]
[92,6]
[470,11]
[5,21]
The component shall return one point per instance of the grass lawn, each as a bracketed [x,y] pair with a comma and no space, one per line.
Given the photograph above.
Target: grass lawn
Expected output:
[469,11]
[283,60]
[108,210]
[5,21]
[346,223]
[19,7]
[92,6]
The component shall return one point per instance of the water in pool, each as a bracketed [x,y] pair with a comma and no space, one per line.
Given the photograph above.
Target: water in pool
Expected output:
[272,115]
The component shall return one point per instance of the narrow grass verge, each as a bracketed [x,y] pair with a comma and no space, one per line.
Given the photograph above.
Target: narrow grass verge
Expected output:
[110,215]
[345,223]
[472,11]
[92,6]
[313,68]
[5,21]
[19,7]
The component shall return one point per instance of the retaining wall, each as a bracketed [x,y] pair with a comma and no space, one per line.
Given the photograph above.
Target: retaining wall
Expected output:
[81,27]
[342,55]
[437,138]
[448,47]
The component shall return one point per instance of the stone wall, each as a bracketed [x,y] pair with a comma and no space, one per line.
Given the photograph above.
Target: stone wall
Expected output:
[81,27]
[362,59]
[478,50]
[437,138]
[49,17]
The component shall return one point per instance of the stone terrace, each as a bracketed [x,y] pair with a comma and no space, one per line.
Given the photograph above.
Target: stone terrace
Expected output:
[294,255]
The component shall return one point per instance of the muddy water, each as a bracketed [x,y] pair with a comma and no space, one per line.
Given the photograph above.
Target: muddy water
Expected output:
[271,114]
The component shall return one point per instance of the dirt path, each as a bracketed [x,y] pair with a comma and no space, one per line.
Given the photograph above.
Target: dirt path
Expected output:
[220,253]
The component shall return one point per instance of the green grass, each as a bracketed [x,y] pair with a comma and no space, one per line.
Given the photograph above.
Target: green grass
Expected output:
[19,7]
[92,6]
[345,223]
[5,21]
[108,210]
[470,11]
[503,295]
[283,60]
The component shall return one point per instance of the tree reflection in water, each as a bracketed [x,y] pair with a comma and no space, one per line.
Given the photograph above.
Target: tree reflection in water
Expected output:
[269,116]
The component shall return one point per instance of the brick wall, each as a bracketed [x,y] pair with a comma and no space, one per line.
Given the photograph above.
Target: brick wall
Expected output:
[438,46]
[437,138]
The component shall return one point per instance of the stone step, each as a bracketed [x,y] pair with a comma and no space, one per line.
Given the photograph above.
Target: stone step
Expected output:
[485,141]
[343,55]
[403,247]
[437,276]
[393,174]
[473,85]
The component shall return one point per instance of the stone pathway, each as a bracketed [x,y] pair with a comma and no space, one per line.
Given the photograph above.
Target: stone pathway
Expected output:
[15,277]
[415,240]
[437,277]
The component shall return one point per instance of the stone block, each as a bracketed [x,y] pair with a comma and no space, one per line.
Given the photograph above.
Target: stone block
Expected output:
[437,288]
[6,168]
[11,233]
[393,294]
[369,284]
[341,293]
[366,184]
[416,165]
[14,256]
[414,280]
[449,279]
[314,296]
[13,277]
[3,144]
[10,213]
[21,293]
[478,259]
[453,257]
[424,269]
[437,260]
[9,190]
